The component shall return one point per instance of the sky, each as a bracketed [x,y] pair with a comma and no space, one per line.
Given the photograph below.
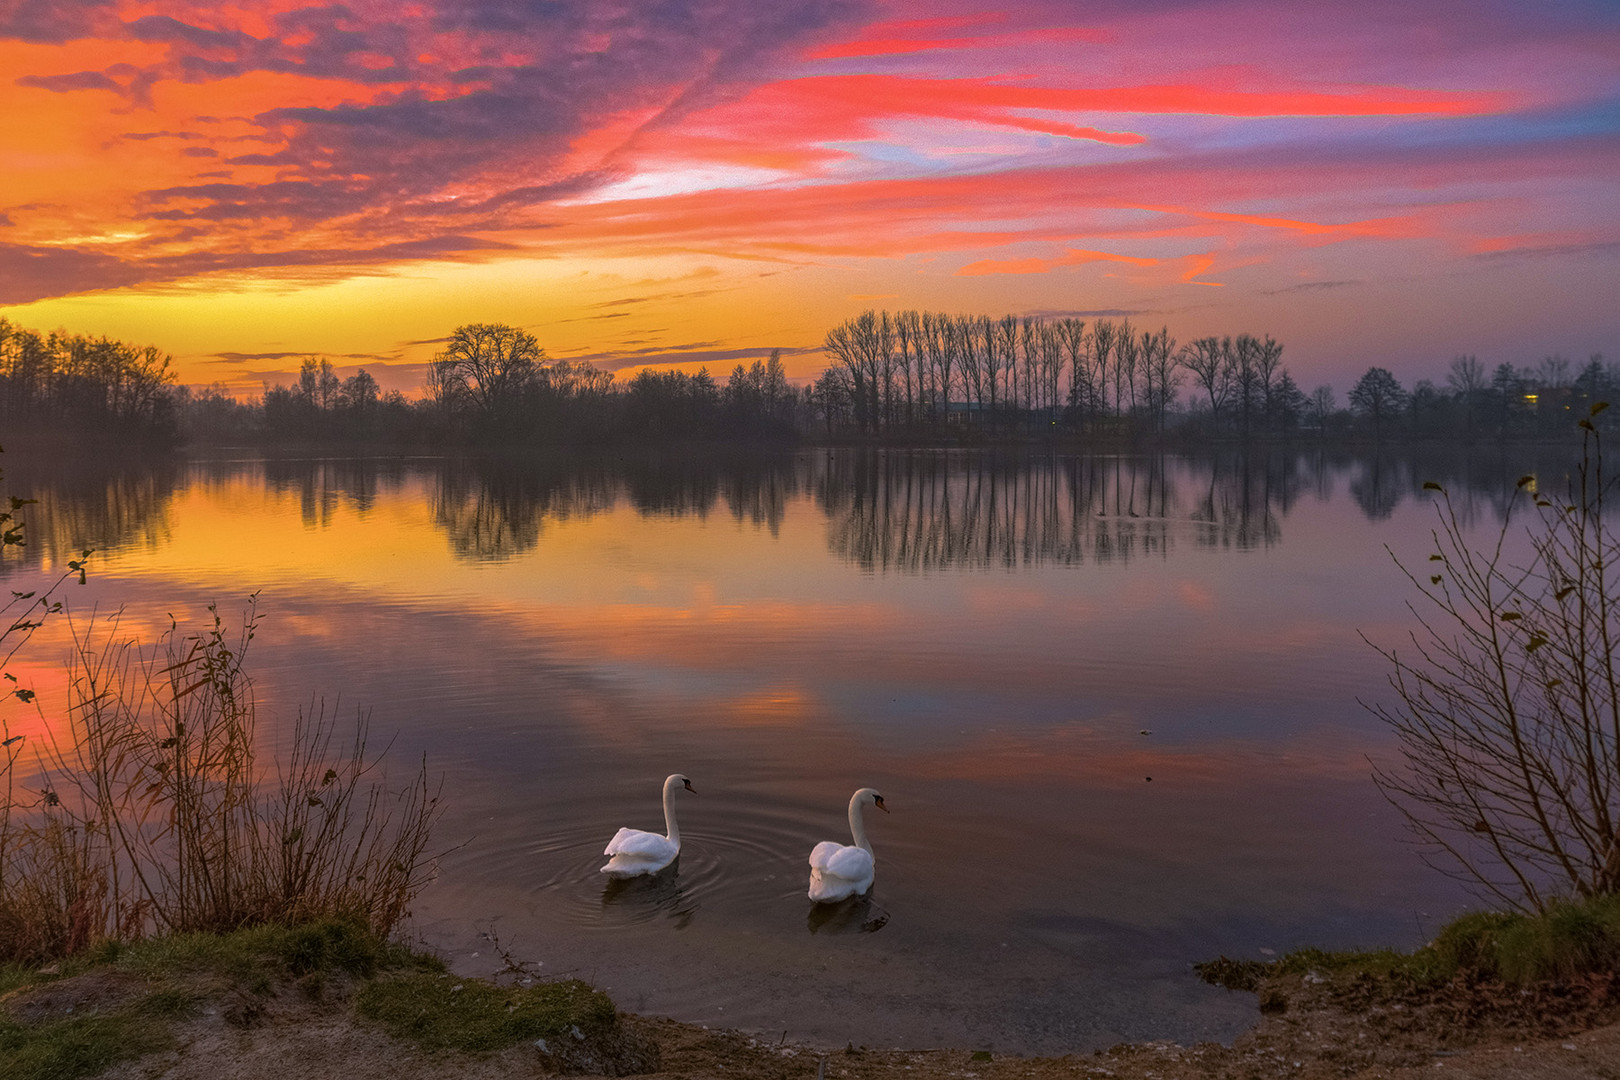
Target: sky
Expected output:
[686,183]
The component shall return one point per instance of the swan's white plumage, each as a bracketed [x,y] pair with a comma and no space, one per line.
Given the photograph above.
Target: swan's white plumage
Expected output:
[839,871]
[649,845]
[635,851]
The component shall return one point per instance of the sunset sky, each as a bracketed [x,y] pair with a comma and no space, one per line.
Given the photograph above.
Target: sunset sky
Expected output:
[686,182]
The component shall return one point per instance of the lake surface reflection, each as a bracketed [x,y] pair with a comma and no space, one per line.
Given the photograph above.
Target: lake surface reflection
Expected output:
[1111,702]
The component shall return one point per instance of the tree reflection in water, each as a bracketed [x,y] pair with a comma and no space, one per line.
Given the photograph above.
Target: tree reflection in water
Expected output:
[100,502]
[889,510]
[919,512]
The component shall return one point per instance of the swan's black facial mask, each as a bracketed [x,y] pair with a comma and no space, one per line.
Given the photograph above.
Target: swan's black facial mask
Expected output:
[687,784]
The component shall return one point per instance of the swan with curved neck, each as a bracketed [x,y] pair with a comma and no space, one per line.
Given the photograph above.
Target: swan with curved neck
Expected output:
[633,851]
[839,871]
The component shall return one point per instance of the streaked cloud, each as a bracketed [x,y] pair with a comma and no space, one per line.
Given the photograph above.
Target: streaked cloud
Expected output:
[1144,151]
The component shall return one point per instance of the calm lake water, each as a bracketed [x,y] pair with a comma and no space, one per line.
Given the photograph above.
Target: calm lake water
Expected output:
[1112,703]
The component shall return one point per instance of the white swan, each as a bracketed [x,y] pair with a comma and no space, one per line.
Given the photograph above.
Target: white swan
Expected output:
[839,871]
[636,852]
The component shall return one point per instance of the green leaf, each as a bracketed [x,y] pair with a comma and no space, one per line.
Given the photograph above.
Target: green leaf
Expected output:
[1511,616]
[1536,641]
[1598,406]
[1565,591]
[1437,558]
[1430,485]
[1434,579]
[1526,481]
[1587,424]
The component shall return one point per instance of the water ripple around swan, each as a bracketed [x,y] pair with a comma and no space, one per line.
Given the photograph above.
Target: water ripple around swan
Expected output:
[751,870]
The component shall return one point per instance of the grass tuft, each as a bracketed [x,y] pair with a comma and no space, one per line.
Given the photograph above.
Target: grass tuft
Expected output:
[80,1046]
[171,975]
[442,1012]
[1569,941]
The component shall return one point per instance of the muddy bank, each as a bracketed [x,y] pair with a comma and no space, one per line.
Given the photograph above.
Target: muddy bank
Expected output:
[1314,1026]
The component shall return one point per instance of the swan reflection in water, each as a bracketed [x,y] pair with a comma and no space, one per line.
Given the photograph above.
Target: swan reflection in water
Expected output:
[857,915]
[648,895]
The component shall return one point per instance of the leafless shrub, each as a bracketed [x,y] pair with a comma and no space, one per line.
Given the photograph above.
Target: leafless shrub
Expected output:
[1507,709]
[51,897]
[160,815]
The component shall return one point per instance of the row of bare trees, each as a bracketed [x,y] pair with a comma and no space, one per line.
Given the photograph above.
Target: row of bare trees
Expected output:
[899,370]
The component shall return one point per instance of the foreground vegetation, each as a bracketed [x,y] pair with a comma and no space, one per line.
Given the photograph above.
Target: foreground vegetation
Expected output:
[118,1002]
[1568,942]
[1506,702]
[159,815]
[341,990]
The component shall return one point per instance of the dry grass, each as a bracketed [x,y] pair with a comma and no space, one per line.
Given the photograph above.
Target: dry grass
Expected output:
[162,817]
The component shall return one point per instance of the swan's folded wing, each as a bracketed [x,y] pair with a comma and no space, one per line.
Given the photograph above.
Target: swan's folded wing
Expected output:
[637,842]
[822,852]
[841,860]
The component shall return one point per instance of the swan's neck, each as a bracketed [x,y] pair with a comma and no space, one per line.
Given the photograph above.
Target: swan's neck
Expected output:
[857,827]
[670,827]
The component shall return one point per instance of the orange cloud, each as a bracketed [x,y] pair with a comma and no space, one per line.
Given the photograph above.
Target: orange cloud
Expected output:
[892,39]
[1402,226]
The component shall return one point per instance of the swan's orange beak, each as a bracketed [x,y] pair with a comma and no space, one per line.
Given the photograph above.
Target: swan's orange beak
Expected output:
[687,784]
[878,802]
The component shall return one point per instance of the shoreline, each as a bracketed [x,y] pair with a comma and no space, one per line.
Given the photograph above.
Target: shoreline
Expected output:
[316,1002]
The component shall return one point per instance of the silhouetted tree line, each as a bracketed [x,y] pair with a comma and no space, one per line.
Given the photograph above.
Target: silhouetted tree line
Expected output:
[62,382]
[926,370]
[905,376]
[1540,401]
[493,384]
[912,372]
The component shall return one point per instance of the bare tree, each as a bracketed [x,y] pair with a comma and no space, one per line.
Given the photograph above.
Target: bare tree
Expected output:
[1127,354]
[1267,371]
[1244,358]
[1553,372]
[1103,336]
[1051,364]
[995,361]
[1322,405]
[1507,708]
[485,368]
[1161,374]
[908,335]
[1072,335]
[1207,362]
[970,346]
[1007,349]
[1029,344]
[939,341]
[1467,380]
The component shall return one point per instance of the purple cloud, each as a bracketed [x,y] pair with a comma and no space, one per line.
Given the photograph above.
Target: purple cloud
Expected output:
[53,21]
[79,80]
